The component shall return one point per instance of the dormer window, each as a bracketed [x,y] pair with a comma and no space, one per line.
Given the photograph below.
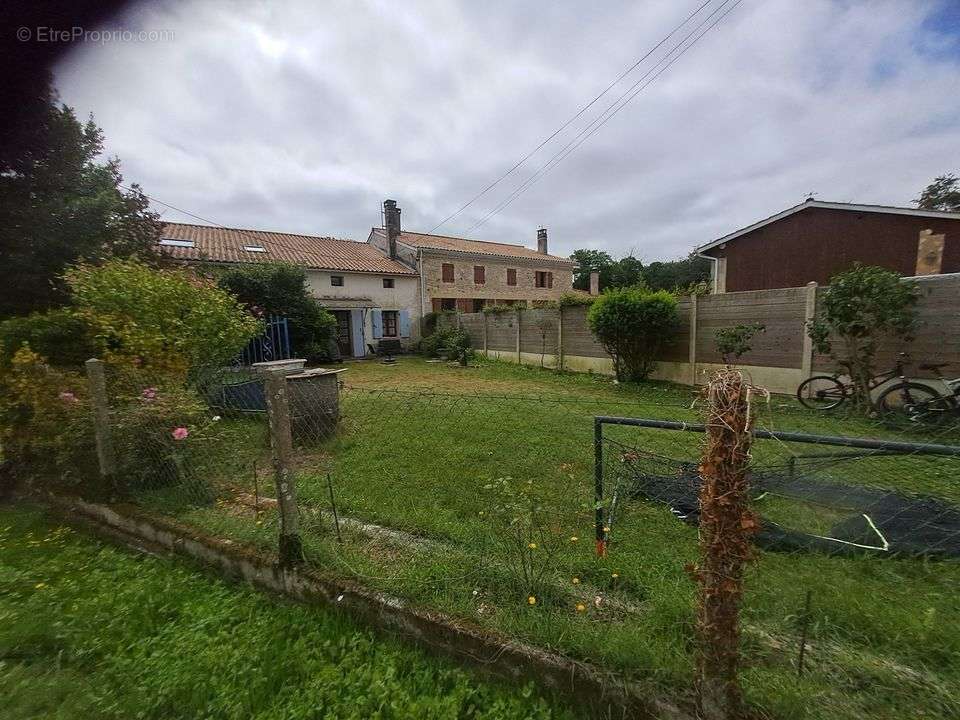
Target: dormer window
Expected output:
[254,248]
[171,242]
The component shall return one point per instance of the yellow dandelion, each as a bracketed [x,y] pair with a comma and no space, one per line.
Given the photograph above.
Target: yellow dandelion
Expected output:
[581,607]
[531,600]
[40,586]
[574,538]
[532,546]
[615,575]
[481,513]
[606,529]
[576,581]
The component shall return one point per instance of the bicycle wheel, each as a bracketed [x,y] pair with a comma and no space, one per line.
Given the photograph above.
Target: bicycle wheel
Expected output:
[916,403]
[821,392]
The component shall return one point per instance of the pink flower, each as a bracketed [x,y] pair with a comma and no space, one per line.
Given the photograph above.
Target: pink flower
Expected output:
[68,397]
[180,433]
[149,394]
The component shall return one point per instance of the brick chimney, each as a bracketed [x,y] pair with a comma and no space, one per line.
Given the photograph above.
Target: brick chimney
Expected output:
[594,283]
[391,224]
[542,241]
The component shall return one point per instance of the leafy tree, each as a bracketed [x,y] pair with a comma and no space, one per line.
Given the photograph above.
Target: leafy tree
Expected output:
[589,261]
[942,194]
[61,336]
[169,320]
[627,272]
[677,275]
[859,308]
[633,324]
[733,342]
[59,206]
[281,289]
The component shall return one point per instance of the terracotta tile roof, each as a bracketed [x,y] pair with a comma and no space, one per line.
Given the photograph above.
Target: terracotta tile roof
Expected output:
[217,244]
[475,247]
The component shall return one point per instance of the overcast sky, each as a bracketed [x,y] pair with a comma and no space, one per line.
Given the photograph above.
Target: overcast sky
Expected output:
[304,116]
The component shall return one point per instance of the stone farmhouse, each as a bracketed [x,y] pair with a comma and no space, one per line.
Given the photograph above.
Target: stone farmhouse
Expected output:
[380,290]
[466,275]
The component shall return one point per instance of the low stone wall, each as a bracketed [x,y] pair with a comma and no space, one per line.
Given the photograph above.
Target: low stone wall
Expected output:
[602,694]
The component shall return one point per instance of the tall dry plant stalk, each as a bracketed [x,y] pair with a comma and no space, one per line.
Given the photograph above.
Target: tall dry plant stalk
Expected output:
[726,524]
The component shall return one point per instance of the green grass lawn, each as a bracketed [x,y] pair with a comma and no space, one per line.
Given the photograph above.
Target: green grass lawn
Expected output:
[421,444]
[91,631]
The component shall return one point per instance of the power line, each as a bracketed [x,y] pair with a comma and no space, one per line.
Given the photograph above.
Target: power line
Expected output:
[602,119]
[567,124]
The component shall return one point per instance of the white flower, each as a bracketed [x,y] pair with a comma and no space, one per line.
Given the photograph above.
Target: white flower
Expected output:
[216,418]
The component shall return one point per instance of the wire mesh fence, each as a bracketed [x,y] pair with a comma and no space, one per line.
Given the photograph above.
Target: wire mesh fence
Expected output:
[486,505]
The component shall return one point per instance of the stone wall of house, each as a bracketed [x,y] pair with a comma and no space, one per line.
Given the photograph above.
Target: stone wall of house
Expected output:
[495,286]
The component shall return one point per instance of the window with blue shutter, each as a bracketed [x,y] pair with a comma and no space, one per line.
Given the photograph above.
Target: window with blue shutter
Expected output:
[377,319]
[404,323]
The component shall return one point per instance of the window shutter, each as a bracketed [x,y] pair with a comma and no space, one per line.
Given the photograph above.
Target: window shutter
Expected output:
[404,323]
[377,320]
[549,279]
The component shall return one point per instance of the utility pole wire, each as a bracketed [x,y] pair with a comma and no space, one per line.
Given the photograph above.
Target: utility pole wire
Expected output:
[598,122]
[567,124]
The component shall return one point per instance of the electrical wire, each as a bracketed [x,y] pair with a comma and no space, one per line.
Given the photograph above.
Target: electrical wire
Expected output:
[571,120]
[610,112]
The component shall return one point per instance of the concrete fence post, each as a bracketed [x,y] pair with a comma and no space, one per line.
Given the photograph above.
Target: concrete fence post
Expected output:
[560,338]
[692,359]
[106,452]
[519,312]
[806,359]
[281,444]
[486,349]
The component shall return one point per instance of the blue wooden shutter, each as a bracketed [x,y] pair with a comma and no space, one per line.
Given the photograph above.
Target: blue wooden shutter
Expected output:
[377,318]
[404,324]
[356,333]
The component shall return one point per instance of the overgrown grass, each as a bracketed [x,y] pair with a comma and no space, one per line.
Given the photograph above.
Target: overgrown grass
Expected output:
[420,442]
[90,631]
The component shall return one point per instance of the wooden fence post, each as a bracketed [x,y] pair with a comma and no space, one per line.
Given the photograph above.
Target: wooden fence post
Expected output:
[693,340]
[519,311]
[281,443]
[806,359]
[106,453]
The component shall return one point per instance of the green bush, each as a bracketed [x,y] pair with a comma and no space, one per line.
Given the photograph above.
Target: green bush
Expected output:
[62,336]
[281,289]
[455,340]
[732,342]
[633,324]
[576,299]
[45,420]
[167,320]
[859,308]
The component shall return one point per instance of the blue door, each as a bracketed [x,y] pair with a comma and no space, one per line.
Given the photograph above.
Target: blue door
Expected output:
[356,332]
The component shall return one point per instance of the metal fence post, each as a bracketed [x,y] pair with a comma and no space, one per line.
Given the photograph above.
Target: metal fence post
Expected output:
[106,453]
[281,443]
[600,529]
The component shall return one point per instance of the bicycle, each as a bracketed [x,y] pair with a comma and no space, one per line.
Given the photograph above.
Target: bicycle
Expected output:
[826,392]
[919,403]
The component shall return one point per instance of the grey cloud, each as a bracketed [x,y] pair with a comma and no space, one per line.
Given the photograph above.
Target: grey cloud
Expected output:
[303,116]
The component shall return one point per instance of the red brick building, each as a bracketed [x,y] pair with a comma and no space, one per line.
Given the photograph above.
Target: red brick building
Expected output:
[815,240]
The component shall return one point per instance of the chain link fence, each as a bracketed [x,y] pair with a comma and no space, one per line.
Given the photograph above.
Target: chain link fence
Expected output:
[551,518]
